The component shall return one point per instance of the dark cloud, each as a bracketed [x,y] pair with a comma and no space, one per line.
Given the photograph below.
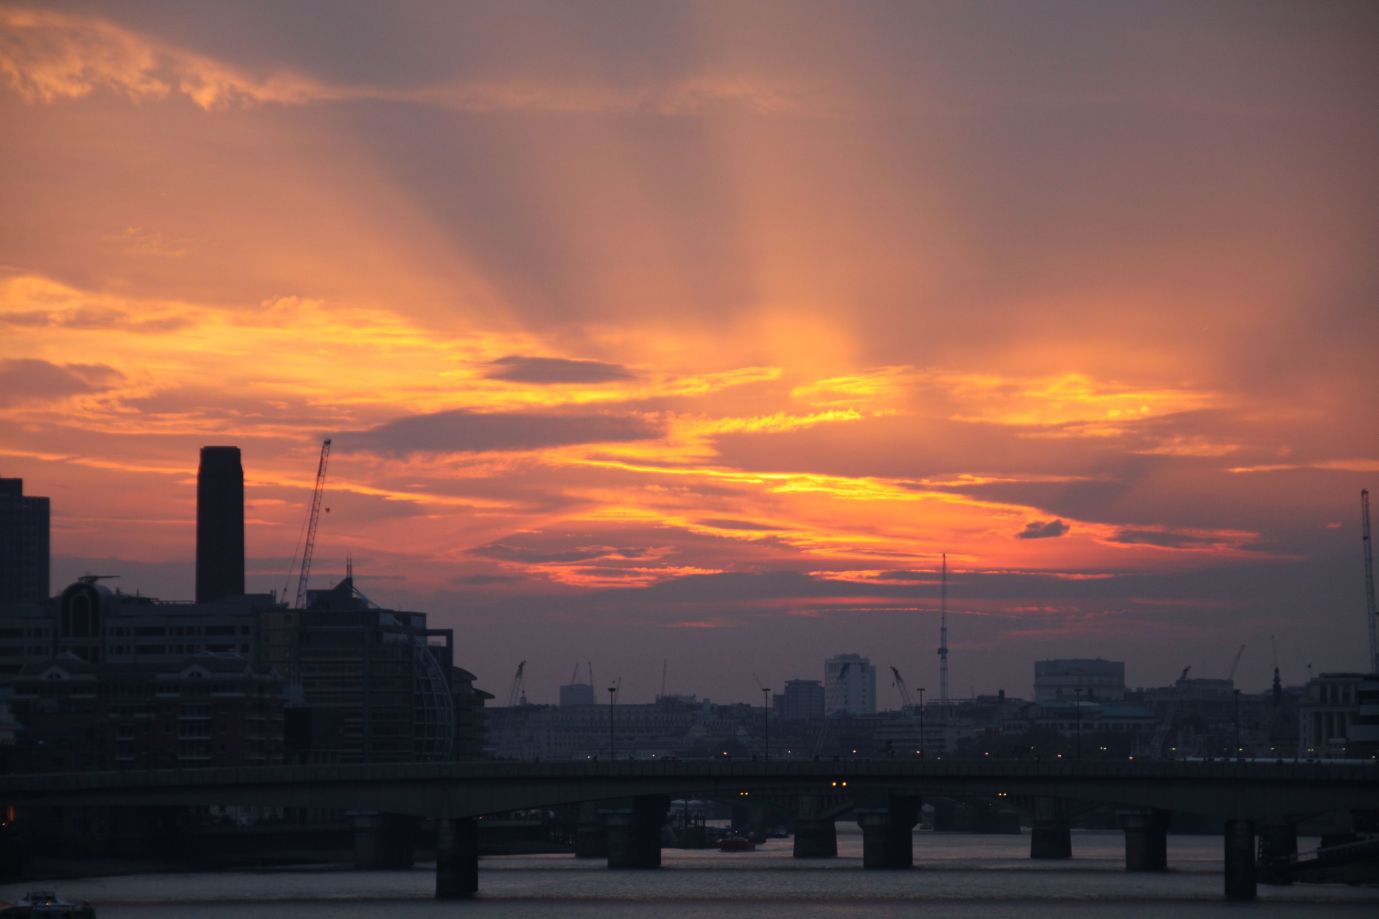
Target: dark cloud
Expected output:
[518,368]
[33,380]
[462,431]
[1043,529]
[726,523]
[538,555]
[484,580]
[1164,539]
[92,318]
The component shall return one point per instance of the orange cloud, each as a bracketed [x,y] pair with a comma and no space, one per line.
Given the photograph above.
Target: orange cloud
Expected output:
[48,56]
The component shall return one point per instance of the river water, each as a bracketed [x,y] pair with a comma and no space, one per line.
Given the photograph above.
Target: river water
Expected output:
[956,876]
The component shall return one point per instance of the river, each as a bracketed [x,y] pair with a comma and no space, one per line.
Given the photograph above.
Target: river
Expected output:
[956,876]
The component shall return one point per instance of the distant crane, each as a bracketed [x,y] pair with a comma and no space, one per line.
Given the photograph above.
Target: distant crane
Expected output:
[1277,687]
[517,696]
[1371,611]
[943,639]
[1235,663]
[308,539]
[899,683]
[1156,745]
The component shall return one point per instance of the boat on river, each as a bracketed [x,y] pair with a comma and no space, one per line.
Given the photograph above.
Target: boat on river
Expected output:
[736,844]
[48,905]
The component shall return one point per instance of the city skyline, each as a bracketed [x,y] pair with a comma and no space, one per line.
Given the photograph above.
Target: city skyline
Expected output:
[699,333]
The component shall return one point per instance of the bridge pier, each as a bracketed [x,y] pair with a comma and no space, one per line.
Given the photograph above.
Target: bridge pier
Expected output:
[634,833]
[382,840]
[1277,840]
[888,833]
[815,838]
[1240,860]
[591,833]
[457,858]
[1146,839]
[1051,835]
[816,834]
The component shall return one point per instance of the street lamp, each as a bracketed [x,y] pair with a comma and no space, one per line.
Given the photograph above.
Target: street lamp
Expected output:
[1237,724]
[765,724]
[921,722]
[612,693]
[1077,721]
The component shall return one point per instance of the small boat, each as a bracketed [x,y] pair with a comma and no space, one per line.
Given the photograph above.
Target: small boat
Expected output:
[45,903]
[736,844]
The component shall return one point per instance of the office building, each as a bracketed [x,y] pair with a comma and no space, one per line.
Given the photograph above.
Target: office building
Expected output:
[24,559]
[219,525]
[1073,678]
[802,700]
[576,694]
[849,685]
[1339,716]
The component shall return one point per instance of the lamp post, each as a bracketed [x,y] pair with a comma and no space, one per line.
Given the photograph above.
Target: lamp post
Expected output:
[1077,722]
[612,700]
[921,722]
[765,724]
[1236,753]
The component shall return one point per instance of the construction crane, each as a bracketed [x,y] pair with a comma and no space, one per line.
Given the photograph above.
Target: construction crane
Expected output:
[943,639]
[1277,686]
[517,696]
[1235,663]
[1371,611]
[899,683]
[1156,745]
[308,540]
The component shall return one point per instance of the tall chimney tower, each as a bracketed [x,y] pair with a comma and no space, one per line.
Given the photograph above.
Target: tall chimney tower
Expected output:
[219,525]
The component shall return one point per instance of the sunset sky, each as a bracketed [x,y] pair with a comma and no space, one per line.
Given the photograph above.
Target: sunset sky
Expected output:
[697,332]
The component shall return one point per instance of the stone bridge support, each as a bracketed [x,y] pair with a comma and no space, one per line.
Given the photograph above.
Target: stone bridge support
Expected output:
[1051,834]
[1146,839]
[634,832]
[888,832]
[382,840]
[591,832]
[457,858]
[1277,841]
[816,835]
[1240,860]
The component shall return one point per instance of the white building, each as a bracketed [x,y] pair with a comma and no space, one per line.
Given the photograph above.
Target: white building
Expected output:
[1070,679]
[1340,715]
[849,685]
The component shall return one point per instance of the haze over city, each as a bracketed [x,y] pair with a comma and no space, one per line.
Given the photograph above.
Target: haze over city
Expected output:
[699,333]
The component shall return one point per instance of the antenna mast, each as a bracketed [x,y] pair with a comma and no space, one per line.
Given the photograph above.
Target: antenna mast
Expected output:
[1371,611]
[943,638]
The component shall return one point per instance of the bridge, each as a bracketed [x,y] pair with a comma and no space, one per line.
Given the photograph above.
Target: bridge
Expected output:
[1248,798]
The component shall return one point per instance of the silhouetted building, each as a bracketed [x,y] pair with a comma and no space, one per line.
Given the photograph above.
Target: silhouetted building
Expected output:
[849,685]
[379,679]
[576,694]
[24,560]
[802,700]
[219,524]
[1079,678]
[206,710]
[100,625]
[1340,715]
